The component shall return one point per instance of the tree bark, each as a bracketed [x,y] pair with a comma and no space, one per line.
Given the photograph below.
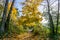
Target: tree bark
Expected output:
[4,16]
[8,18]
[57,19]
[51,22]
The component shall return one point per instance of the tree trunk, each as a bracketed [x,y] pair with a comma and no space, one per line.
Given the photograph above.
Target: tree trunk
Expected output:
[57,19]
[4,16]
[51,22]
[8,18]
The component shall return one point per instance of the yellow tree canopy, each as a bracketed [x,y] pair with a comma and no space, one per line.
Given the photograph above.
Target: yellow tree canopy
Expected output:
[30,12]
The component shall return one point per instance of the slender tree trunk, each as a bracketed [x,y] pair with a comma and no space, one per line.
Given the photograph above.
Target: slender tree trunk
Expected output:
[51,21]
[4,16]
[8,18]
[57,19]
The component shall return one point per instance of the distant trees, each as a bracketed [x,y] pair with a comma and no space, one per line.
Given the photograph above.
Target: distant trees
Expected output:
[57,17]
[53,15]
[52,32]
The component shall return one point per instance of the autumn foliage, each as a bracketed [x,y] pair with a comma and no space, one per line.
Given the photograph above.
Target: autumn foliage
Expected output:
[30,12]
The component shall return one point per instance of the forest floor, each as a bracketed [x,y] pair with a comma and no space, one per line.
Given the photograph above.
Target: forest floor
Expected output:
[25,36]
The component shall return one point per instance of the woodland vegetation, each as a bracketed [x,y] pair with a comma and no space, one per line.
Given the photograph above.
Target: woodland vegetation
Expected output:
[26,24]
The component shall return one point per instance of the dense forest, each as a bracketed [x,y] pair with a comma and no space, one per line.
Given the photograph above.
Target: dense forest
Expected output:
[29,19]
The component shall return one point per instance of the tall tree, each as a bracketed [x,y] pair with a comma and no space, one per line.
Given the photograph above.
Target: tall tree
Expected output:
[57,18]
[31,16]
[51,21]
[9,15]
[4,16]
